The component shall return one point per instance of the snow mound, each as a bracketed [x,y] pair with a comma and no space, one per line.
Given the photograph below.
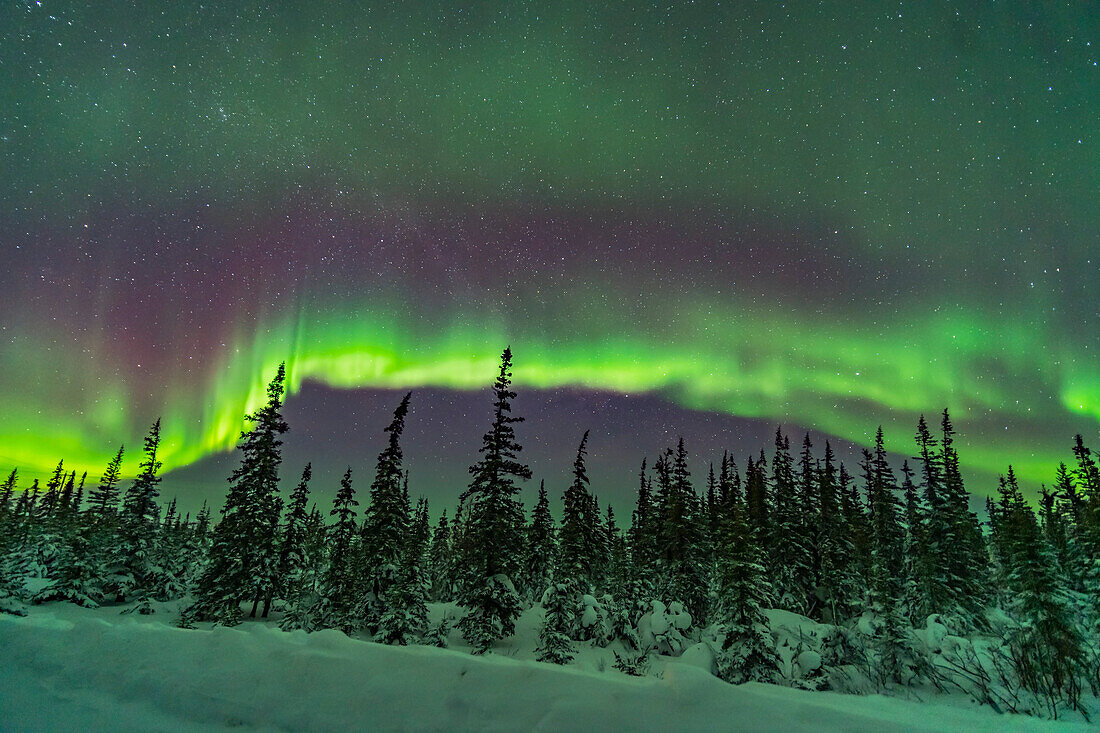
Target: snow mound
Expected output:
[87,671]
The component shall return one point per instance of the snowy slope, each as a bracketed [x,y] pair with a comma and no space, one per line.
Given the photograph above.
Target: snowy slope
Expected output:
[65,668]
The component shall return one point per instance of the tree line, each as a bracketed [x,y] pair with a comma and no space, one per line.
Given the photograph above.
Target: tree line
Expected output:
[878,558]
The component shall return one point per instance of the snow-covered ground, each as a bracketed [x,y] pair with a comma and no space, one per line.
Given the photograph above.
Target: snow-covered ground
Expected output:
[63,668]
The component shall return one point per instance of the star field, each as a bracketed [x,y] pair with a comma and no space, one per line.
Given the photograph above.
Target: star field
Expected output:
[825,215]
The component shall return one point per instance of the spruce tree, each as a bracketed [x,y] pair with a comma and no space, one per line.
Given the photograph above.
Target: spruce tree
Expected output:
[682,568]
[837,581]
[495,529]
[897,660]
[578,539]
[916,551]
[1070,509]
[559,602]
[541,550]
[405,618]
[967,555]
[729,484]
[293,560]
[47,505]
[791,553]
[441,561]
[244,558]
[7,505]
[937,530]
[337,595]
[747,653]
[385,525]
[642,539]
[169,580]
[135,554]
[856,526]
[1087,476]
[711,515]
[105,498]
[756,499]
[78,577]
[15,551]
[1046,647]
[47,528]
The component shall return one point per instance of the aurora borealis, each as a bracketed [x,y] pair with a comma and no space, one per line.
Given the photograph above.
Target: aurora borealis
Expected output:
[826,216]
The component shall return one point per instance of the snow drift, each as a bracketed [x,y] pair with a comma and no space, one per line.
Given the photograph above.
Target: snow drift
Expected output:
[70,669]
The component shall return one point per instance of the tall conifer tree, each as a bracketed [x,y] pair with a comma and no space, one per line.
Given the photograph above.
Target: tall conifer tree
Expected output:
[243,555]
[495,529]
[541,550]
[385,524]
[134,556]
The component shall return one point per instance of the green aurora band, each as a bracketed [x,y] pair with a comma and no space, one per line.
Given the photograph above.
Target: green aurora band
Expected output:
[740,362]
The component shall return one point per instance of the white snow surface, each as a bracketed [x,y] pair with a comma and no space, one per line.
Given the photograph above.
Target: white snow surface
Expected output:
[66,668]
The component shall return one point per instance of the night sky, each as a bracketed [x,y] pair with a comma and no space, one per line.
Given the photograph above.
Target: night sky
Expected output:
[692,220]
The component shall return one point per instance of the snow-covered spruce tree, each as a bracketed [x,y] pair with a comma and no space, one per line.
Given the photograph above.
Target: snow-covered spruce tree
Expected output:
[806,574]
[67,508]
[9,517]
[783,543]
[78,577]
[559,602]
[292,540]
[837,588]
[267,506]
[17,552]
[1054,529]
[641,548]
[541,550]
[710,516]
[169,580]
[495,526]
[941,589]
[405,619]
[102,509]
[385,526]
[337,599]
[440,562]
[857,526]
[1087,475]
[243,557]
[1069,508]
[794,505]
[619,602]
[196,547]
[303,605]
[78,497]
[747,652]
[46,535]
[134,566]
[897,659]
[682,566]
[914,547]
[756,498]
[968,562]
[1046,647]
[458,571]
[578,535]
[729,487]
[7,490]
[601,558]
[618,558]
